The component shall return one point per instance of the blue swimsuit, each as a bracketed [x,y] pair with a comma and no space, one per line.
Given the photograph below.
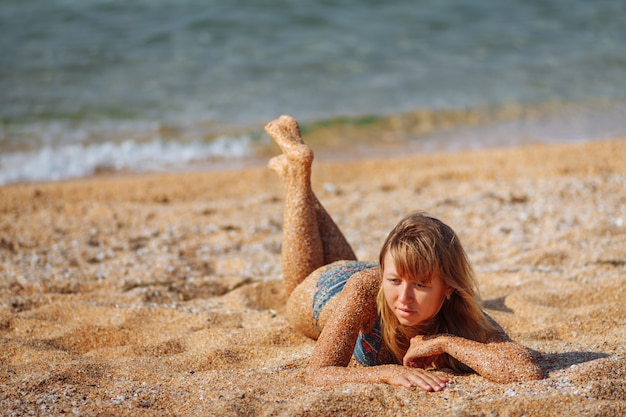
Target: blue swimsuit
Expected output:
[330,283]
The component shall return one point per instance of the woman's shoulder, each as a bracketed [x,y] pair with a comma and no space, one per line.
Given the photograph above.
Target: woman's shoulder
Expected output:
[333,278]
[365,282]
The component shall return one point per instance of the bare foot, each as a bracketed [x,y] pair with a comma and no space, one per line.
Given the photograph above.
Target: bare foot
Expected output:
[285,132]
[294,165]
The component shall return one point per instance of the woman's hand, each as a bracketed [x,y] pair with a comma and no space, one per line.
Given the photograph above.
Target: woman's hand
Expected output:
[414,378]
[423,351]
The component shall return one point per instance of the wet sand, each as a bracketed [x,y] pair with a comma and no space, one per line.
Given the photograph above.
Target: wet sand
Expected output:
[162,295]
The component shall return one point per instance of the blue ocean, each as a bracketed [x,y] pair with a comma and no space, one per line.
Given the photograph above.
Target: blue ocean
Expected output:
[100,86]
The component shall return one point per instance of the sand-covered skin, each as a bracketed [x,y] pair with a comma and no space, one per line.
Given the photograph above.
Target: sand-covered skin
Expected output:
[161,295]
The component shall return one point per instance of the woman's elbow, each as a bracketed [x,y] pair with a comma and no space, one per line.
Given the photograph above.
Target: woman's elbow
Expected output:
[516,364]
[532,373]
[523,370]
[526,368]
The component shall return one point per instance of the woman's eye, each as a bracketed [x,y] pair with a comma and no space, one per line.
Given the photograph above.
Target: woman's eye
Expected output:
[418,285]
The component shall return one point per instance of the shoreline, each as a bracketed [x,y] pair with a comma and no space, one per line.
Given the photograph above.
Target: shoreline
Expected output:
[329,155]
[28,154]
[161,293]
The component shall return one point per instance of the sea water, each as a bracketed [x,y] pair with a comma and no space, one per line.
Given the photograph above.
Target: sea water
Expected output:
[143,85]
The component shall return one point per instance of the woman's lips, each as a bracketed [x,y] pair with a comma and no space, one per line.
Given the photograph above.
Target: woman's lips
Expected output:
[405,312]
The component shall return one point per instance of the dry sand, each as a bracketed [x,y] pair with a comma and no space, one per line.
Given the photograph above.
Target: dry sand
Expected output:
[161,295]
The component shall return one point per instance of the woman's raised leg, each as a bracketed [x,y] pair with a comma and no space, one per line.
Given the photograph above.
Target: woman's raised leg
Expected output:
[310,237]
[336,247]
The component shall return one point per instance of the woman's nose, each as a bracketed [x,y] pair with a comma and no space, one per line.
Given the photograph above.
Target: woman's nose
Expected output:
[406,293]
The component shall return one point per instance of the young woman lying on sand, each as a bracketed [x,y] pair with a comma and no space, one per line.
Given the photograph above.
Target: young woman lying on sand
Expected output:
[416,308]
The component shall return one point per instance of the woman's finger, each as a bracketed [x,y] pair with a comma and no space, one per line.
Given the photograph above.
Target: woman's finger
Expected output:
[427,381]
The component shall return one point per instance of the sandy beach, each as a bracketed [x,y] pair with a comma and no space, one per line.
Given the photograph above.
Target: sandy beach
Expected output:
[162,294]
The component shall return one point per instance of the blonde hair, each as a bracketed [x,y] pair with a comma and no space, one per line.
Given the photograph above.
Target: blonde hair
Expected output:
[422,246]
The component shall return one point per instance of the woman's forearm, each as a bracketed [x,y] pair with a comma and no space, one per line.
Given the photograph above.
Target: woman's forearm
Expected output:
[497,361]
[335,375]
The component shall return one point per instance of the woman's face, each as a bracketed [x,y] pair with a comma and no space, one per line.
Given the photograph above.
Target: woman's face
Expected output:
[412,302]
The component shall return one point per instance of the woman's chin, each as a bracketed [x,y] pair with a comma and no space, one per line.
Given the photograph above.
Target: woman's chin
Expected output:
[408,321]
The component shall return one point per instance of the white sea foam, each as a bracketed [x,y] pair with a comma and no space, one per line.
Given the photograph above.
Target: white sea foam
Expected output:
[76,160]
